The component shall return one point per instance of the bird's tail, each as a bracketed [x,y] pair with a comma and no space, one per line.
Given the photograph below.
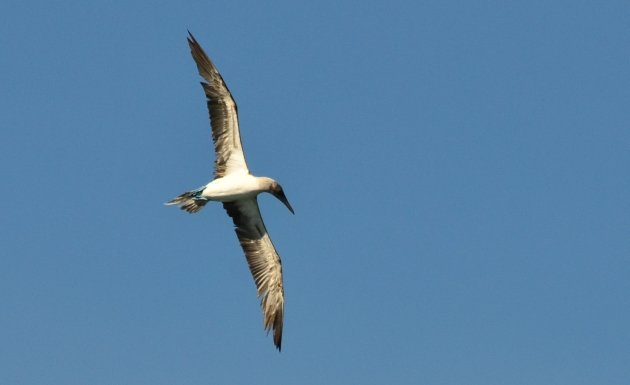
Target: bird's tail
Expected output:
[191,201]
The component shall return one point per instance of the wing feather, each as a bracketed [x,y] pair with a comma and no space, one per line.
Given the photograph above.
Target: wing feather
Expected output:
[263,260]
[223,115]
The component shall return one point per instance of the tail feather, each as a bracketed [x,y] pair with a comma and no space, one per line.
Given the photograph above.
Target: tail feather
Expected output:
[190,201]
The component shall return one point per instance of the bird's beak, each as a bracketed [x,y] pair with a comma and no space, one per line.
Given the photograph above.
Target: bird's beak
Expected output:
[283,198]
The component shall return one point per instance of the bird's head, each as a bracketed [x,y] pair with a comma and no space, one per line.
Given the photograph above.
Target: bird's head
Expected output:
[277,191]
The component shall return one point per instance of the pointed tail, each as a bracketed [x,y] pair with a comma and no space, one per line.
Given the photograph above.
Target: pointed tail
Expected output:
[191,201]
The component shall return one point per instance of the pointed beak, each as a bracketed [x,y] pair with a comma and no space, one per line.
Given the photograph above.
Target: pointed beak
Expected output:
[283,198]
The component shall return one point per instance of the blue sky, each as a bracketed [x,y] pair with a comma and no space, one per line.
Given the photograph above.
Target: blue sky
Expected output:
[459,172]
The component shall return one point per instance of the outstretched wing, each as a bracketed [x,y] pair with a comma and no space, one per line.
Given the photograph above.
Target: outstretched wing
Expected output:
[264,262]
[223,115]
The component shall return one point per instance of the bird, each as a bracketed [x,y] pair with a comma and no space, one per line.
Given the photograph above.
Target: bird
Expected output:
[237,189]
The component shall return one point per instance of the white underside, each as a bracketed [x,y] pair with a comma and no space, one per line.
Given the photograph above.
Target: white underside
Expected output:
[233,187]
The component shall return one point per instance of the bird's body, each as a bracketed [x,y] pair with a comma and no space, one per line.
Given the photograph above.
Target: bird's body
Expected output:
[233,187]
[237,189]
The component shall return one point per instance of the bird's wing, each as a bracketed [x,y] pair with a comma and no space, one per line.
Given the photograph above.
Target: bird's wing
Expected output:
[223,115]
[264,262]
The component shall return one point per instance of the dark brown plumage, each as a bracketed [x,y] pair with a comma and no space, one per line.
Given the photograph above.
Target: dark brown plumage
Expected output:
[263,260]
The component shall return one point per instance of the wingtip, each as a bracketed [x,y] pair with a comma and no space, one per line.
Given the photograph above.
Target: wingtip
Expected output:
[191,39]
[278,344]
[277,334]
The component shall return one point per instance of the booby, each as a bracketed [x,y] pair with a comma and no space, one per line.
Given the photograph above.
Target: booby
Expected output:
[235,187]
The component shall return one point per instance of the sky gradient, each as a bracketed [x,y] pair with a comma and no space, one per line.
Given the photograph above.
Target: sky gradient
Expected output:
[459,173]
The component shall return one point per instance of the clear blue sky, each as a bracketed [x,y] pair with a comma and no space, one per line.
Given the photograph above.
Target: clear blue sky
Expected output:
[459,172]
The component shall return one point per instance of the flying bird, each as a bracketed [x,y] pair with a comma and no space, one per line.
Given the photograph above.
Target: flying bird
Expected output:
[235,187]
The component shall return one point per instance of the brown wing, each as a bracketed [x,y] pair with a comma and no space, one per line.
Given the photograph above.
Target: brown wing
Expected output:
[264,262]
[223,115]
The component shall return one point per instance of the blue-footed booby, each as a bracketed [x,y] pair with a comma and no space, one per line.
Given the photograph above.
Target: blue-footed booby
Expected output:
[235,187]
